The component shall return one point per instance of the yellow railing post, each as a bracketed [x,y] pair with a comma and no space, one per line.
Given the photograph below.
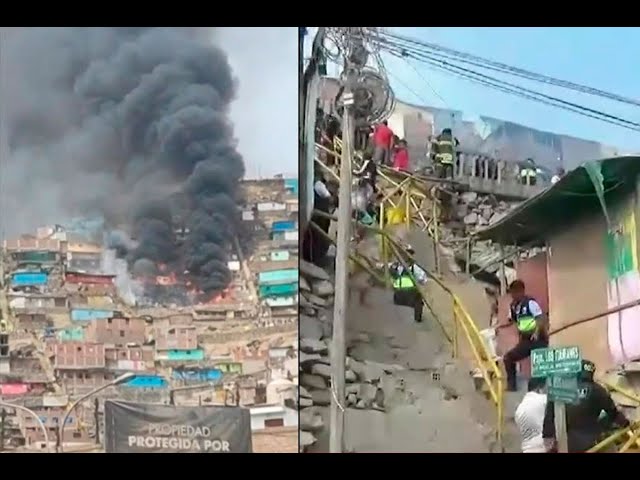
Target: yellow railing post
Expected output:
[407,207]
[385,247]
[456,319]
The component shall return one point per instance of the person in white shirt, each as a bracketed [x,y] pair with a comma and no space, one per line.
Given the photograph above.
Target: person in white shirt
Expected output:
[556,178]
[530,417]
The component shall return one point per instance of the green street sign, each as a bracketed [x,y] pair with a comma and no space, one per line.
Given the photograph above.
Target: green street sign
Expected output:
[563,388]
[557,360]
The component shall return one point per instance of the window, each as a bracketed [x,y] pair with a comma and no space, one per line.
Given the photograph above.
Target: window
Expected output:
[126,321]
[109,320]
[121,333]
[77,435]
[274,422]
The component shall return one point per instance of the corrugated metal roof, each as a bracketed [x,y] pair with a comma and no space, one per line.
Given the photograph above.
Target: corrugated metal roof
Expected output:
[278,276]
[564,203]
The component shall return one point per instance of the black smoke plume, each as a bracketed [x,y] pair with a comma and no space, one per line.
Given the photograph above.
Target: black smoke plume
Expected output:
[120,121]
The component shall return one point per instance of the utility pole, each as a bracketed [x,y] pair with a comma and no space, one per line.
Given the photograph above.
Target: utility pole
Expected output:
[96,418]
[343,244]
[3,417]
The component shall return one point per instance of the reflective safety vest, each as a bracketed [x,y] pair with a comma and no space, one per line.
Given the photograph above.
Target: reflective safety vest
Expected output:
[446,149]
[522,316]
[403,282]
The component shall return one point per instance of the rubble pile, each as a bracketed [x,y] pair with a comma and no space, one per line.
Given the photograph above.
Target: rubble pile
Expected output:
[469,213]
[364,379]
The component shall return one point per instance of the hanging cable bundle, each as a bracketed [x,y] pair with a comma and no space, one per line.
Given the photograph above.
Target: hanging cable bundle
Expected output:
[443,59]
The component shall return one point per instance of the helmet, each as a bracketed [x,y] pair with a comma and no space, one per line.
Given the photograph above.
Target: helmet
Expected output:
[588,370]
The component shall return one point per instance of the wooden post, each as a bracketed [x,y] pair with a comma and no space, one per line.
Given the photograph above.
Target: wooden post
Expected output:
[343,244]
[560,414]
[467,262]
[503,275]
[407,205]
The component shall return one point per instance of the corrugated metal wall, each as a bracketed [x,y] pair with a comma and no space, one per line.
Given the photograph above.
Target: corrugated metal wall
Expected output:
[578,289]
[29,279]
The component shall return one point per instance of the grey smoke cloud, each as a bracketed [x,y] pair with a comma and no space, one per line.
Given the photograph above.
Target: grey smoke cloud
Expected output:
[116,121]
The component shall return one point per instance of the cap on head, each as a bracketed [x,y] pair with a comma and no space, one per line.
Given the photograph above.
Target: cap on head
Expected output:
[588,370]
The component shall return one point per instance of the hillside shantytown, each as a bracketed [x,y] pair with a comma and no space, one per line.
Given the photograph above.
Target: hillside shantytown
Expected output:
[66,330]
[150,277]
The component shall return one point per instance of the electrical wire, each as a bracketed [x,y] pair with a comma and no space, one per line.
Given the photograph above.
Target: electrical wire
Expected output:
[456,55]
[507,87]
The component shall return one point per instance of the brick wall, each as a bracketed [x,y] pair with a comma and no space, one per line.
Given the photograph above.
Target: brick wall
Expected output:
[77,355]
[80,381]
[275,440]
[176,338]
[51,417]
[117,331]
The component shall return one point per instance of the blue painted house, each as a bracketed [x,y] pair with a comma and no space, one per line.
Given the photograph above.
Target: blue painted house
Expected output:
[291,186]
[87,315]
[283,226]
[198,375]
[195,355]
[29,279]
[147,381]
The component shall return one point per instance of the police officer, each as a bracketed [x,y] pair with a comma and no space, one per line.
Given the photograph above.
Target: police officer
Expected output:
[531,322]
[444,150]
[584,422]
[405,291]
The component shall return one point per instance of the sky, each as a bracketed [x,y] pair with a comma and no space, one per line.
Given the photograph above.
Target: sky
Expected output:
[265,113]
[599,57]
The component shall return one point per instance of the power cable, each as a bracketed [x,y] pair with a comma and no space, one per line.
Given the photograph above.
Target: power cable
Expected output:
[449,53]
[507,87]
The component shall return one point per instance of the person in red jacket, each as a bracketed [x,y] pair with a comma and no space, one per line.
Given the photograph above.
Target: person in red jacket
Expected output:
[382,138]
[401,157]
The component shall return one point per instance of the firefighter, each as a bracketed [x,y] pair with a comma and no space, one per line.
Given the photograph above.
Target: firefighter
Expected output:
[529,173]
[444,151]
[405,291]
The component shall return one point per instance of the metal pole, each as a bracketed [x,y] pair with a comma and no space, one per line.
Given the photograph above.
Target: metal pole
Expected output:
[338,350]
[96,419]
[3,417]
[561,426]
[34,415]
[117,381]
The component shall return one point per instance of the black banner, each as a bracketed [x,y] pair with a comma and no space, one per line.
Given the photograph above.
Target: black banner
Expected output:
[154,428]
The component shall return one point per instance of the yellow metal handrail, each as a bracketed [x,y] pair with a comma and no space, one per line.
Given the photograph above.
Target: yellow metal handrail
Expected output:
[491,373]
[632,432]
[462,320]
